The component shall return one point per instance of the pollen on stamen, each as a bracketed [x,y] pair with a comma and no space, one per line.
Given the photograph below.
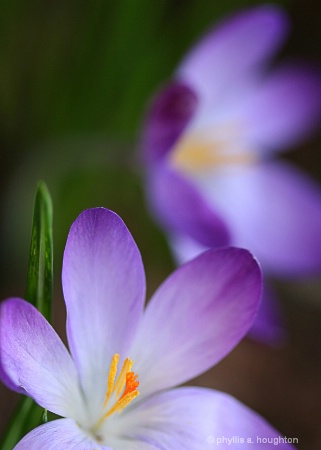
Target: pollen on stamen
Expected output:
[130,392]
[120,383]
[111,377]
[123,389]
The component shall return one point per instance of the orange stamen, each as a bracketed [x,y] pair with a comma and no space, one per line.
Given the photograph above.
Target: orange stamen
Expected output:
[131,384]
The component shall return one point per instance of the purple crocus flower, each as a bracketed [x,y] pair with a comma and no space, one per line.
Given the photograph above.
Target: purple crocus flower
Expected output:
[208,145]
[115,388]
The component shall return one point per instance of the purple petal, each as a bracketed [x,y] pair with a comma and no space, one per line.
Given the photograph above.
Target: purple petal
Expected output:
[285,108]
[231,50]
[62,434]
[35,359]
[268,326]
[3,375]
[196,317]
[168,115]
[104,287]
[197,418]
[275,211]
[179,207]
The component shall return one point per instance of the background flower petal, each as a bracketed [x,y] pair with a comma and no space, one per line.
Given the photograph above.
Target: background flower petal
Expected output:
[169,113]
[180,208]
[269,324]
[185,248]
[233,49]
[62,434]
[196,317]
[35,359]
[104,288]
[272,209]
[196,418]
[283,109]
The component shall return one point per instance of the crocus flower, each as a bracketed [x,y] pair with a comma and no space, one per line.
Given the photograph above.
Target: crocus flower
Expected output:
[114,388]
[209,141]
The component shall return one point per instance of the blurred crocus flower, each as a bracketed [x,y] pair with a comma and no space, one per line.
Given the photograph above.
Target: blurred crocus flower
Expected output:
[208,144]
[118,351]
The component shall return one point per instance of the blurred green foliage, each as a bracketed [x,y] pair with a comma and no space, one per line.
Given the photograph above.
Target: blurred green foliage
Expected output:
[89,66]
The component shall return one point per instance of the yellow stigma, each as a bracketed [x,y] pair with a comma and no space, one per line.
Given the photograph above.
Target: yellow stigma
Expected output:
[121,390]
[195,153]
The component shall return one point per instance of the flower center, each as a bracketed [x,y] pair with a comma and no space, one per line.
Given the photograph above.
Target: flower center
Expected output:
[197,152]
[121,389]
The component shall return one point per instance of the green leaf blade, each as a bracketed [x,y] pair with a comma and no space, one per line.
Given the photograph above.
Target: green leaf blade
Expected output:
[40,269]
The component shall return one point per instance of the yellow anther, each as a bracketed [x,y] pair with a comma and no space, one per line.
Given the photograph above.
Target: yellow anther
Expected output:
[111,377]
